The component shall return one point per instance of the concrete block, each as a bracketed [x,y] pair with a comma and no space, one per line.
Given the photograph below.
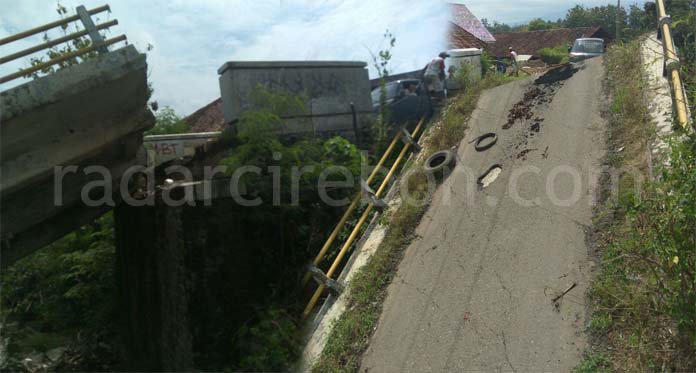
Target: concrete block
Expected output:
[326,87]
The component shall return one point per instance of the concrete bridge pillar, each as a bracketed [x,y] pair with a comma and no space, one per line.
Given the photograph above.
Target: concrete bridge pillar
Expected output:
[154,288]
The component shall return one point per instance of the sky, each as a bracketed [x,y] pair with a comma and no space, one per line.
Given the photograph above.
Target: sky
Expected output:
[192,39]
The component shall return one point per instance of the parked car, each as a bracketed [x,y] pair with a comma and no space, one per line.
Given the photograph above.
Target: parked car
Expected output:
[403,105]
[585,48]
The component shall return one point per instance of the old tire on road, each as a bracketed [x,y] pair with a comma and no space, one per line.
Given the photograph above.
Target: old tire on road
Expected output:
[439,161]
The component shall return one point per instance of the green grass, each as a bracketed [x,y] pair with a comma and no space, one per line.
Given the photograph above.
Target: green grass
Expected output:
[593,363]
[643,299]
[366,292]
[352,331]
[554,56]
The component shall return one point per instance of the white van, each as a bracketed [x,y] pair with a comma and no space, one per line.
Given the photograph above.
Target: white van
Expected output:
[585,48]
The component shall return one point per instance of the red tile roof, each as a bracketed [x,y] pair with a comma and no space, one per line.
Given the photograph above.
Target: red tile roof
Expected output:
[208,118]
[461,16]
[460,39]
[529,42]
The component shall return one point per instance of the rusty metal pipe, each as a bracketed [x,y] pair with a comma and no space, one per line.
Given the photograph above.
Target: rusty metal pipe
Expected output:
[51,43]
[60,59]
[51,25]
[671,57]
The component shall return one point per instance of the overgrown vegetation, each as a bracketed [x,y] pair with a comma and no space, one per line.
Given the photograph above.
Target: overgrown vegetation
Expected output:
[280,235]
[351,333]
[554,56]
[644,297]
[380,62]
[366,292]
[167,122]
[60,50]
[61,302]
[64,294]
[684,31]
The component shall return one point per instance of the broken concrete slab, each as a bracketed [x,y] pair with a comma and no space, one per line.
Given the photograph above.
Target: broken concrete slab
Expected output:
[93,113]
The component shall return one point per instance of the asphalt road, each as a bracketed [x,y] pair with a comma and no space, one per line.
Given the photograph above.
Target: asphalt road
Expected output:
[475,290]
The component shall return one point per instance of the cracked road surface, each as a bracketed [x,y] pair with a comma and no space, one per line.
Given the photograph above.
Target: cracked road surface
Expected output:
[475,290]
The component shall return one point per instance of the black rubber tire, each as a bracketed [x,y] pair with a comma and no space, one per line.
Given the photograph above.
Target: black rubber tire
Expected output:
[486,146]
[439,161]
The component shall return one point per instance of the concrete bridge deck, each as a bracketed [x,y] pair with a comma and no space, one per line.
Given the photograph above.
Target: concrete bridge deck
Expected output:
[91,114]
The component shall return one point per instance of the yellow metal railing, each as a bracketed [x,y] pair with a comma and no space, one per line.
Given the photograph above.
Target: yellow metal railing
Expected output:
[672,65]
[351,208]
[83,15]
[363,218]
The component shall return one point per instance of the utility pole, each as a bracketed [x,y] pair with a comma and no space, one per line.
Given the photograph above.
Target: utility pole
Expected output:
[618,20]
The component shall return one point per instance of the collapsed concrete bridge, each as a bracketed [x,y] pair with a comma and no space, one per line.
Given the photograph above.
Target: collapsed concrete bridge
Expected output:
[91,113]
[62,133]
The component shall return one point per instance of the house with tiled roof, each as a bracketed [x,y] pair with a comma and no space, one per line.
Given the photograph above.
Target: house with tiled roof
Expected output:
[530,42]
[209,118]
[465,30]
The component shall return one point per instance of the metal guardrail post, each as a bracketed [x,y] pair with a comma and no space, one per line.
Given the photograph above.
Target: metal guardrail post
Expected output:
[354,234]
[87,22]
[672,64]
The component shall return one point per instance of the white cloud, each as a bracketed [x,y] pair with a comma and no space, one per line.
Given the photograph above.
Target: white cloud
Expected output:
[193,38]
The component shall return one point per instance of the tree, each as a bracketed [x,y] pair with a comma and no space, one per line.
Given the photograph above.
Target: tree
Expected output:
[380,61]
[539,24]
[167,122]
[600,16]
[498,27]
[639,19]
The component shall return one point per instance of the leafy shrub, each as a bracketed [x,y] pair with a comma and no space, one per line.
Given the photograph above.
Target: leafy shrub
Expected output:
[466,76]
[554,56]
[65,289]
[664,239]
[268,344]
[487,63]
[644,298]
[282,235]
[649,282]
[167,123]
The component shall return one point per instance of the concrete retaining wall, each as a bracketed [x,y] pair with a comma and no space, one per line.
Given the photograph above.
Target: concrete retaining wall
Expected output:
[326,87]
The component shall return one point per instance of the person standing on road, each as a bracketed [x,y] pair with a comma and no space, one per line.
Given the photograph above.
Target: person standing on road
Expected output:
[513,59]
[434,75]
